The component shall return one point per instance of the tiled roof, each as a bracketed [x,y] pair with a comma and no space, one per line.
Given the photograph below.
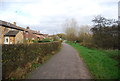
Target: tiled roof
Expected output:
[30,34]
[11,33]
[9,25]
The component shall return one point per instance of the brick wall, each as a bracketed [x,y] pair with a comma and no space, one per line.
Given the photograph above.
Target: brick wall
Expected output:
[11,40]
[3,30]
[19,37]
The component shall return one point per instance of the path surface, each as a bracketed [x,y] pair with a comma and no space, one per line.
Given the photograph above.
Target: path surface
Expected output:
[64,65]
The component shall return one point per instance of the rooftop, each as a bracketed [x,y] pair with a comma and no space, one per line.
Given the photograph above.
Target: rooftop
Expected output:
[9,25]
[11,33]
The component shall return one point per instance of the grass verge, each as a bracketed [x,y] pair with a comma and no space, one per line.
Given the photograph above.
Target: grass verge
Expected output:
[100,62]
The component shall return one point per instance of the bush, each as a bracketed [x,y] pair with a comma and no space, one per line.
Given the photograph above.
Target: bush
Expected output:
[42,41]
[89,45]
[22,56]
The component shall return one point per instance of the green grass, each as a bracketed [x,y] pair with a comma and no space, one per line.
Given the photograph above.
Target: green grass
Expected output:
[100,62]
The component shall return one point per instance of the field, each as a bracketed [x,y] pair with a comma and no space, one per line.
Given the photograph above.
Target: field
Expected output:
[103,64]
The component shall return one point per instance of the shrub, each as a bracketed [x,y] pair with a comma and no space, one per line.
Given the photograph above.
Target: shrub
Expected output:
[42,40]
[89,45]
[22,56]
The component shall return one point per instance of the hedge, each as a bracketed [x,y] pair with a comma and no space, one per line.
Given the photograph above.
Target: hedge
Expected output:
[18,58]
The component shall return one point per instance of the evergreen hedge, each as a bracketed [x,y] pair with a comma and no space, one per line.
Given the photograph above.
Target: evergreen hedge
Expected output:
[16,56]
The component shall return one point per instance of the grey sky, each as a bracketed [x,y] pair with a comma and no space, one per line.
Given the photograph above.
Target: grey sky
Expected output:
[47,16]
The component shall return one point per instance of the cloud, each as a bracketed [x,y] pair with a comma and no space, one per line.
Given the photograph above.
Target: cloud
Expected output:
[48,15]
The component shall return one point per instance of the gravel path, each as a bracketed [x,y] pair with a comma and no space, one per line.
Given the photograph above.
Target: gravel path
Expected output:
[64,65]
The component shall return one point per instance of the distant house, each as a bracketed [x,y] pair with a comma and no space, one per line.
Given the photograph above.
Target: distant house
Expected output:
[39,35]
[28,35]
[33,35]
[45,35]
[10,33]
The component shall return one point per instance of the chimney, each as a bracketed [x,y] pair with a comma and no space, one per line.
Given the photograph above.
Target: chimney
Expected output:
[38,31]
[27,27]
[14,23]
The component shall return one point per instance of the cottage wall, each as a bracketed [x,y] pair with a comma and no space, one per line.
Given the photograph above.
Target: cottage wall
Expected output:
[19,37]
[3,31]
[11,40]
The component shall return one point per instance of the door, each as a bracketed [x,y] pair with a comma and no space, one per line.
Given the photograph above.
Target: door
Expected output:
[6,41]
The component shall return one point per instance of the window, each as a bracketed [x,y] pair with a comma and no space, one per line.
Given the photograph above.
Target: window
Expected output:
[26,32]
[26,38]
[32,38]
[6,39]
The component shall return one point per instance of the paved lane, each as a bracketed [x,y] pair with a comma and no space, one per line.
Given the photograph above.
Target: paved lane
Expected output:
[64,65]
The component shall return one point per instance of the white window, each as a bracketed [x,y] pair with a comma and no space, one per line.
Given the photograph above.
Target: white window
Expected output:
[6,40]
[32,38]
[26,38]
[26,32]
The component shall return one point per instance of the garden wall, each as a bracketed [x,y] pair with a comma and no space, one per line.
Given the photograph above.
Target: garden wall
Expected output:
[18,58]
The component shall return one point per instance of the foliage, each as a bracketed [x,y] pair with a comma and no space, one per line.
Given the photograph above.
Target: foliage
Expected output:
[22,56]
[42,40]
[61,35]
[85,36]
[45,40]
[89,45]
[105,33]
[56,38]
[100,63]
[100,21]
[34,65]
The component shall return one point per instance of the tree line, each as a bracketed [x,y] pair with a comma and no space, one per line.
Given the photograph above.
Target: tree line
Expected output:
[103,34]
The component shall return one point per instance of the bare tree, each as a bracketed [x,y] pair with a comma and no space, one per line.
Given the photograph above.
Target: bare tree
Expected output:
[70,27]
[84,34]
[84,29]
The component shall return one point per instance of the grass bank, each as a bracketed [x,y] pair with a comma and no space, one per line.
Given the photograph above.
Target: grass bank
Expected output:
[101,63]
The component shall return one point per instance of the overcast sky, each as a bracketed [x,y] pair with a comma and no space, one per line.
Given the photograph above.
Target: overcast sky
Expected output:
[48,16]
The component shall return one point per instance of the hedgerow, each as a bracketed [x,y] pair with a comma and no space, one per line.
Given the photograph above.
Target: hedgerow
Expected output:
[18,58]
